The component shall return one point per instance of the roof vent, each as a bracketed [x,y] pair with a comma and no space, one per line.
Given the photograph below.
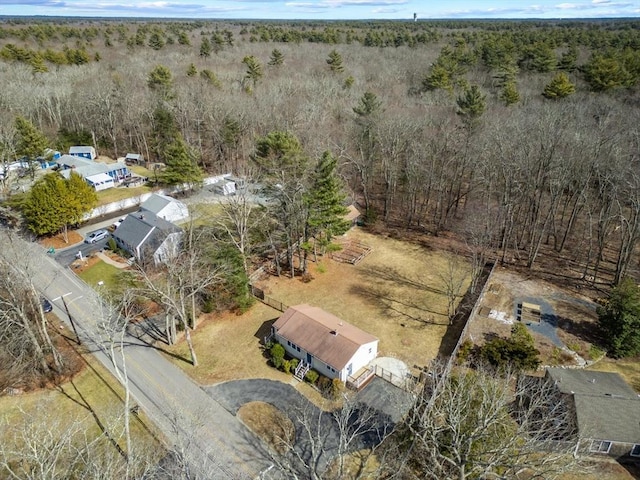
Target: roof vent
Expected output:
[593,380]
[334,333]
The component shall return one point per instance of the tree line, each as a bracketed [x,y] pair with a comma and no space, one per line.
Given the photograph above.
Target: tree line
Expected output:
[520,137]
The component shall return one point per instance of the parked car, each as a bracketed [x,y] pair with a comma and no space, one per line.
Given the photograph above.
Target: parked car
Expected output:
[117,223]
[96,236]
[46,305]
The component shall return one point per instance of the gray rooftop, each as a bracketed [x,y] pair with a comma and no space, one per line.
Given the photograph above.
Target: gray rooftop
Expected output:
[156,202]
[85,167]
[144,228]
[587,382]
[607,408]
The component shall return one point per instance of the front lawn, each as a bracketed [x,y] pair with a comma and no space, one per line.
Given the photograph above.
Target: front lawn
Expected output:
[96,271]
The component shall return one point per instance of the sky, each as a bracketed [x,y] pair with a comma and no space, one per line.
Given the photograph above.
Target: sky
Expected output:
[325,9]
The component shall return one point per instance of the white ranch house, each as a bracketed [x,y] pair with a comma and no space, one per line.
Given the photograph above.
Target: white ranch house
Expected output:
[324,342]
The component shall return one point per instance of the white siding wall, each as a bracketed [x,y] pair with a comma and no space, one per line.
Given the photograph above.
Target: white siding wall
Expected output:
[361,358]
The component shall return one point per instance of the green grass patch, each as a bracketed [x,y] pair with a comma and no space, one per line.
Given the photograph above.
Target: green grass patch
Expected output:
[116,194]
[101,272]
[142,171]
[205,213]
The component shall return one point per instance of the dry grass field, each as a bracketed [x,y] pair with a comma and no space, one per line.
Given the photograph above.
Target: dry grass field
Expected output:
[93,399]
[395,293]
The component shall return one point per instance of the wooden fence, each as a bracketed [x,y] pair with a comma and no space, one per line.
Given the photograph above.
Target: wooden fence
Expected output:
[272,302]
[474,311]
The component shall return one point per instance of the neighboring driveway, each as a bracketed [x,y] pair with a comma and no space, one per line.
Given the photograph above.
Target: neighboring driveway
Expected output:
[548,320]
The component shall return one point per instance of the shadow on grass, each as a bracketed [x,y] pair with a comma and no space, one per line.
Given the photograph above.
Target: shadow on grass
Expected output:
[264,331]
[80,351]
[465,307]
[385,302]
[84,403]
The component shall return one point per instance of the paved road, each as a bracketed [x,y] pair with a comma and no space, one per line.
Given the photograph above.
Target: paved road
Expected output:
[218,445]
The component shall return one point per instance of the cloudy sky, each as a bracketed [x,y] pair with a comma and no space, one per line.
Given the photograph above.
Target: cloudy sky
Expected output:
[325,9]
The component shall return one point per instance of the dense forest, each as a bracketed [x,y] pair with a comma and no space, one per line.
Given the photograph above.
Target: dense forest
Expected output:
[520,138]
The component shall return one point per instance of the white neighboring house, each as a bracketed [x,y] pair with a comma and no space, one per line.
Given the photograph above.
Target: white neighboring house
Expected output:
[324,342]
[148,237]
[165,207]
[100,181]
[93,172]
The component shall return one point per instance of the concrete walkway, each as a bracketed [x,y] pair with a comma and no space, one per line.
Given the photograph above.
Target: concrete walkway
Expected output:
[111,261]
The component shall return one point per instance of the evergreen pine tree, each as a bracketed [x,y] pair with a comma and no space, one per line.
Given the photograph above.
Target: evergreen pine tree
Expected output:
[335,62]
[509,93]
[559,87]
[471,104]
[254,69]
[31,143]
[619,319]
[325,201]
[181,165]
[277,58]
[205,47]
[160,79]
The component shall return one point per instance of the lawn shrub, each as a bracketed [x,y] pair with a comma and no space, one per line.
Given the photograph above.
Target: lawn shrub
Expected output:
[277,355]
[286,366]
[465,350]
[312,377]
[294,364]
[595,353]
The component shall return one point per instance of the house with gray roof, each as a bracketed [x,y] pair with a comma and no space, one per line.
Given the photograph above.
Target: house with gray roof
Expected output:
[165,207]
[606,409]
[83,151]
[97,174]
[148,237]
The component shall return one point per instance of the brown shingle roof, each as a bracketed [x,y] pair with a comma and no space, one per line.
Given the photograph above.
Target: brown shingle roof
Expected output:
[323,335]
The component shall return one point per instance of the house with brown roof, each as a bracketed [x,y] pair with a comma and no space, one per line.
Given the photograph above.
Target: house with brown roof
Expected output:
[324,342]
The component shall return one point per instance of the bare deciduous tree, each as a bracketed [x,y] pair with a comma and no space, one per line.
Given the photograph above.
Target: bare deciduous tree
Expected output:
[480,424]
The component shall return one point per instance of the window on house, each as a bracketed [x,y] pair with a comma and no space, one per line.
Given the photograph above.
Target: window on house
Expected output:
[600,446]
[635,451]
[370,349]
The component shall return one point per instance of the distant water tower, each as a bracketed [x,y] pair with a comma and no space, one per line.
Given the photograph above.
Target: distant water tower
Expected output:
[415,17]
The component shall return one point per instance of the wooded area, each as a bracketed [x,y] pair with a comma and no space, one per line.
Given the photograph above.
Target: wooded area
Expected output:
[521,137]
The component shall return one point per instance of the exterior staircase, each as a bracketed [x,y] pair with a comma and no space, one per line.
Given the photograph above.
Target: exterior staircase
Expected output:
[301,370]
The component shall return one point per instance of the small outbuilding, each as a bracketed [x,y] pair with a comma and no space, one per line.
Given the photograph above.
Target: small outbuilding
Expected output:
[83,151]
[324,342]
[134,159]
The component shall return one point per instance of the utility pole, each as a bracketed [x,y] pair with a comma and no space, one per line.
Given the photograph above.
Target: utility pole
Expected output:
[66,308]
